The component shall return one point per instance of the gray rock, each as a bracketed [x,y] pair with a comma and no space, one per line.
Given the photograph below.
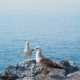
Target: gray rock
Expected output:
[74,76]
[4,75]
[22,71]
[69,66]
[1,79]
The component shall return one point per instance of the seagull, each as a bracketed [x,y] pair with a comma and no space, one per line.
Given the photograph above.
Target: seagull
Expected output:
[27,50]
[44,62]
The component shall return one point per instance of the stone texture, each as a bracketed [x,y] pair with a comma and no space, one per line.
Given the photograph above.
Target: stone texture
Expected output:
[22,71]
[70,66]
[74,76]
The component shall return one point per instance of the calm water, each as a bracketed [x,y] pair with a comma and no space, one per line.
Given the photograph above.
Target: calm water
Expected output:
[57,34]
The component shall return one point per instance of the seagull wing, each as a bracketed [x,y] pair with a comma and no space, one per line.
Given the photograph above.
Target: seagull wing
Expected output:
[49,63]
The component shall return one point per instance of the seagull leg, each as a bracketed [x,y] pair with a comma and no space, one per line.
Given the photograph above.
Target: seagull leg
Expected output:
[27,61]
[31,64]
[28,58]
[44,70]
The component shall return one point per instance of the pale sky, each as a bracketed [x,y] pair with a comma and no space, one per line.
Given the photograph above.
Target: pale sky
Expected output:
[40,4]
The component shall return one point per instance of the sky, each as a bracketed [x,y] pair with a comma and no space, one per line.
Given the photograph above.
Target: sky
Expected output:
[40,4]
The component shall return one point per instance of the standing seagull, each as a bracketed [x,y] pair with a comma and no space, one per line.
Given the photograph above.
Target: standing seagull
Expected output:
[27,50]
[45,62]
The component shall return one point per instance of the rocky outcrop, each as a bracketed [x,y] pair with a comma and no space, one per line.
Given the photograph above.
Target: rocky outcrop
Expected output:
[74,76]
[22,71]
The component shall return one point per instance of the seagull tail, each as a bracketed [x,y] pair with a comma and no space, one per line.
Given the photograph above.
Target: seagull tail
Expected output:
[59,66]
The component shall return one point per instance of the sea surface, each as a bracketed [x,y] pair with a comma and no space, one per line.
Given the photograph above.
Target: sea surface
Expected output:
[58,34]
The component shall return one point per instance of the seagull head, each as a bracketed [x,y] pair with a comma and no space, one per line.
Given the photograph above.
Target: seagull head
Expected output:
[37,49]
[27,42]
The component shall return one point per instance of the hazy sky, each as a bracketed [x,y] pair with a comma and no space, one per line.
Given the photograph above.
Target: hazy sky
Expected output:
[40,4]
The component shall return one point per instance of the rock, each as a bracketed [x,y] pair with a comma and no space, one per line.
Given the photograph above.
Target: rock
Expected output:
[70,66]
[74,76]
[1,79]
[22,71]
[59,72]
[4,76]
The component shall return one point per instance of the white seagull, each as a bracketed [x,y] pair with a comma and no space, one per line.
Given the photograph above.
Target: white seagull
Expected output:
[27,50]
[45,62]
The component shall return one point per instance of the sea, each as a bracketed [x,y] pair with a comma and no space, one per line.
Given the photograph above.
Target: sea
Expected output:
[57,33]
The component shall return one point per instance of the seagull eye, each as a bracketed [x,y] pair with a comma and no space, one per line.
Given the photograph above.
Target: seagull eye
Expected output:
[36,48]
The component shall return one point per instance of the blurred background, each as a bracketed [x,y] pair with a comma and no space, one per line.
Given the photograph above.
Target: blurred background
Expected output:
[52,24]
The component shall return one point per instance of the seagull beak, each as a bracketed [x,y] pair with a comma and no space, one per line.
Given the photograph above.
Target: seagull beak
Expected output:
[32,49]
